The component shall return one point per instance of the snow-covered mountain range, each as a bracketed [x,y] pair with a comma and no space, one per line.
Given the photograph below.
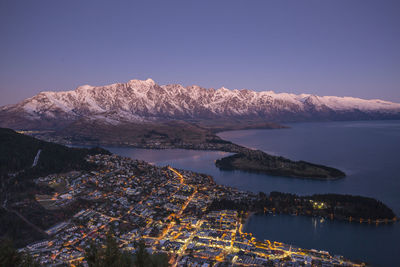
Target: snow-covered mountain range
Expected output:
[144,100]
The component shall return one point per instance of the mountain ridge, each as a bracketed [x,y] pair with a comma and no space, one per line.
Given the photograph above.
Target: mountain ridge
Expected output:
[146,101]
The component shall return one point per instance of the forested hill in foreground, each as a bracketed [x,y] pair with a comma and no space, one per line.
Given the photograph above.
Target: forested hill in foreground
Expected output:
[18,153]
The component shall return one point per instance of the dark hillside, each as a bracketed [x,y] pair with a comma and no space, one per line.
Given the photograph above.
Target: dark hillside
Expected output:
[18,151]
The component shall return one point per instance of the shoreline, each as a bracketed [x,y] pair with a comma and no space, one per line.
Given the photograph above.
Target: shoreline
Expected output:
[346,220]
[237,150]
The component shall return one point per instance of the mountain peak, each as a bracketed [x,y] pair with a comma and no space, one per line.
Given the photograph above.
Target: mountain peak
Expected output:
[147,82]
[84,87]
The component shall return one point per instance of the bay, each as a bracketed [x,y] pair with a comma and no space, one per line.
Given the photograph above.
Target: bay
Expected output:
[369,153]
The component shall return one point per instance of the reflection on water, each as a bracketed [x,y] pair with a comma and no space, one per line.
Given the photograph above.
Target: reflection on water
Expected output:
[180,158]
[375,244]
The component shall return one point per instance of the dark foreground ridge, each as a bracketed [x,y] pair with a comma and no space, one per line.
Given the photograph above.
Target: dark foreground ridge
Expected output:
[18,153]
[259,162]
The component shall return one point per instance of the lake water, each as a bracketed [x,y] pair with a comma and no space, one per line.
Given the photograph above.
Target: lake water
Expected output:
[369,153]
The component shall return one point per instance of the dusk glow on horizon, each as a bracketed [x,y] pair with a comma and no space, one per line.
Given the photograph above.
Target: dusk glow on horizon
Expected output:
[341,48]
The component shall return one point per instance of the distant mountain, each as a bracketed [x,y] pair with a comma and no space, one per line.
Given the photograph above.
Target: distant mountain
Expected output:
[145,101]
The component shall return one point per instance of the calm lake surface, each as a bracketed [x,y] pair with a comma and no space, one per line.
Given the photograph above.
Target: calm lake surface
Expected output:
[369,153]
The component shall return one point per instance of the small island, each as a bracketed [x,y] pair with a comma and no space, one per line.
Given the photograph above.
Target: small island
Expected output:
[260,162]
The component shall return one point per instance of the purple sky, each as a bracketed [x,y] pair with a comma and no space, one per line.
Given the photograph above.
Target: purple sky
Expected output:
[324,47]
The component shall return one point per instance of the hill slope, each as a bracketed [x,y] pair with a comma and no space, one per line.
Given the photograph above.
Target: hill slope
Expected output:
[18,153]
